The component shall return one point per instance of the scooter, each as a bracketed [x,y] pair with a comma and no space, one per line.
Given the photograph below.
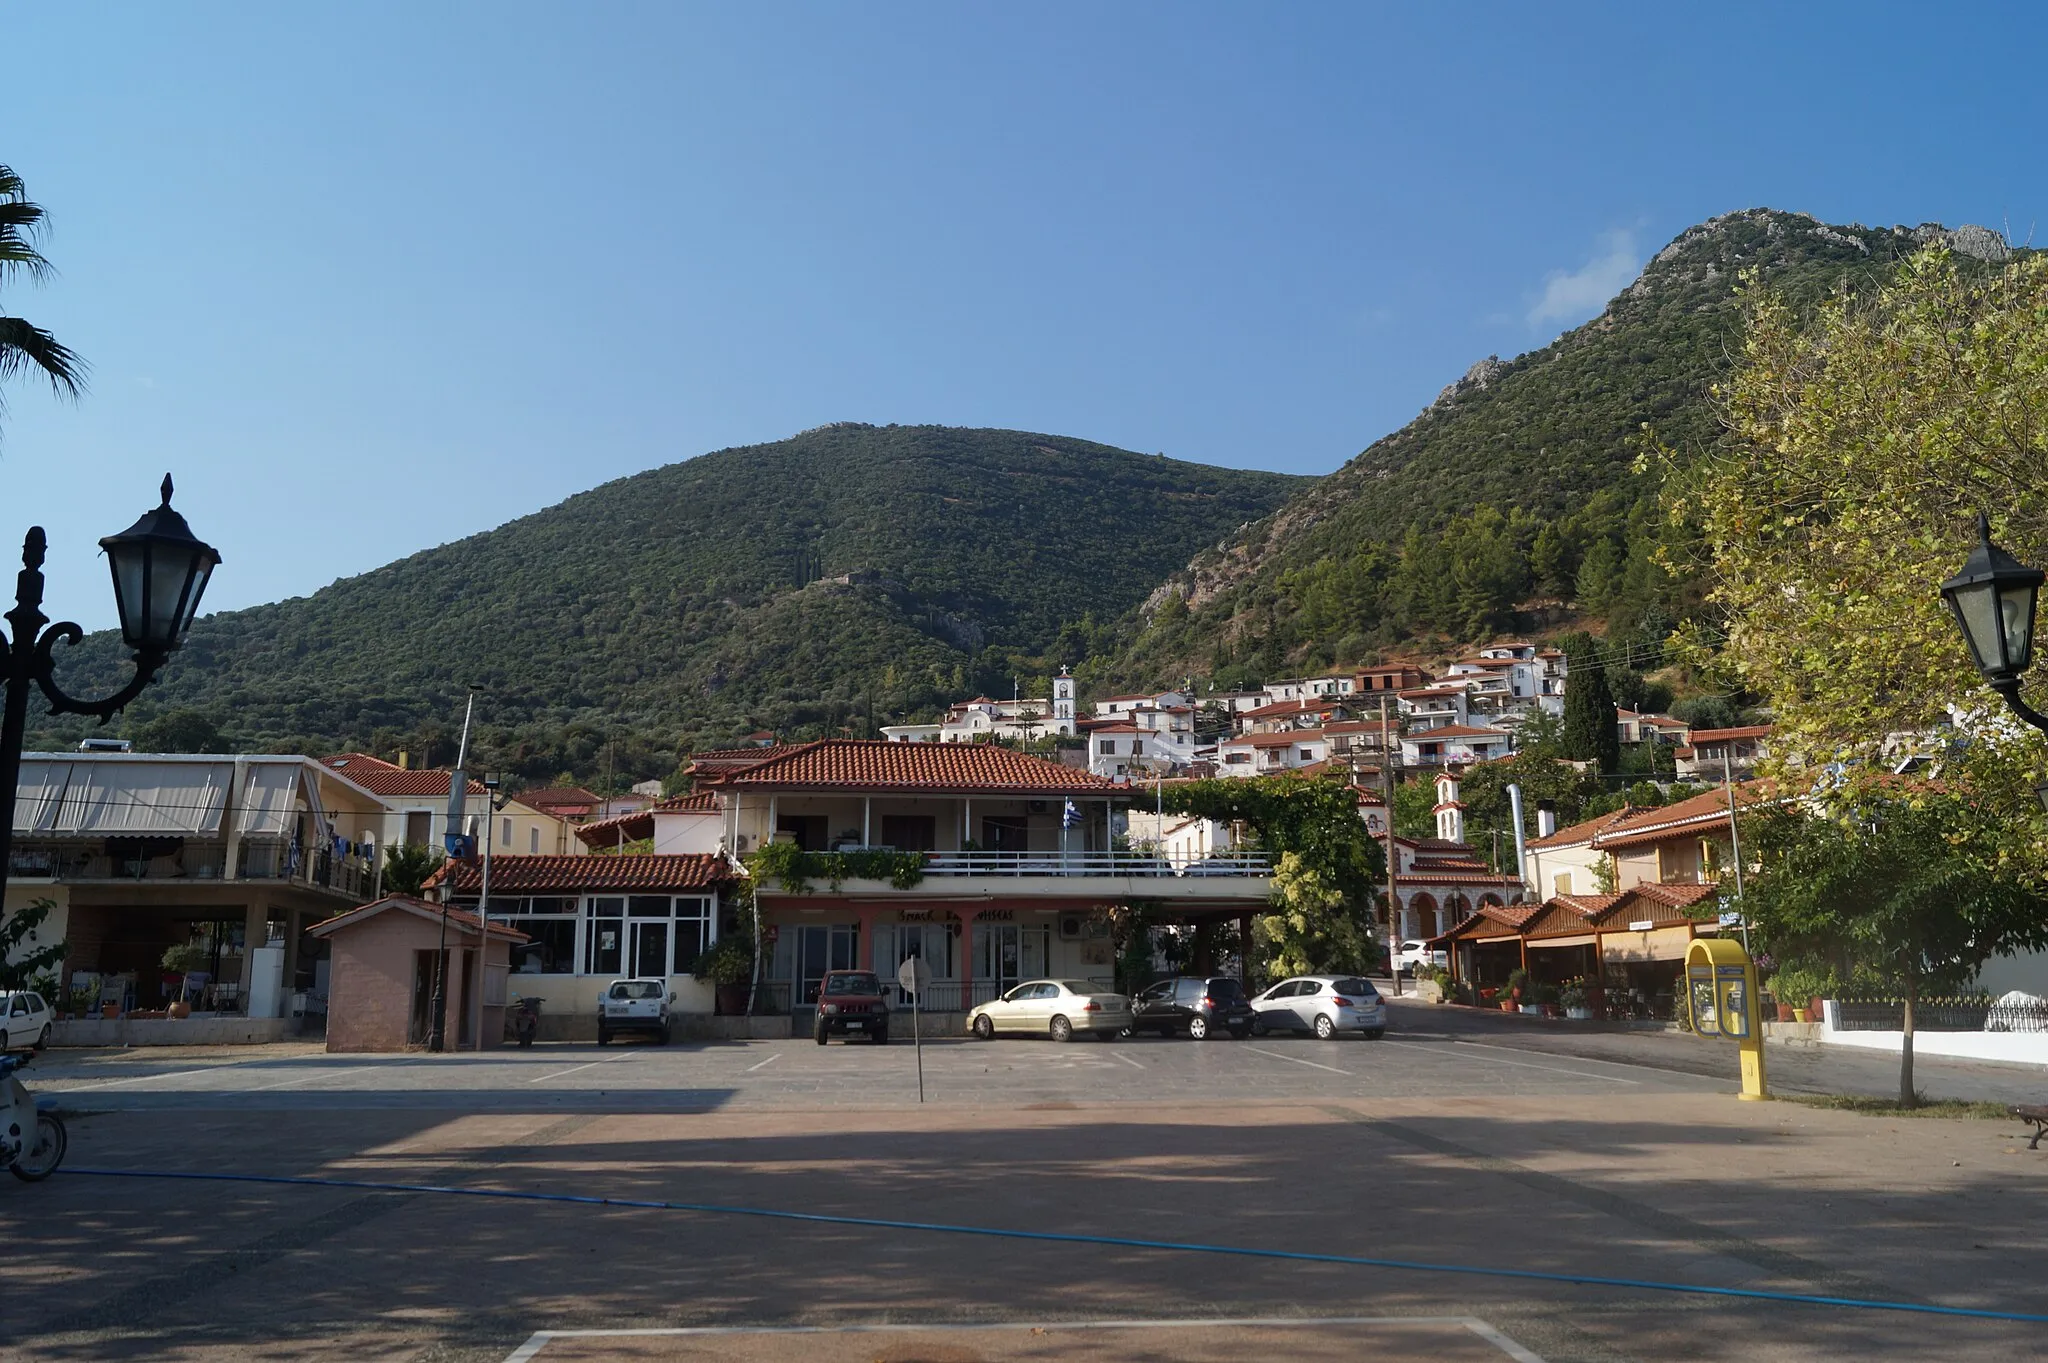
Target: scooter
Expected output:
[32,1137]
[523,1020]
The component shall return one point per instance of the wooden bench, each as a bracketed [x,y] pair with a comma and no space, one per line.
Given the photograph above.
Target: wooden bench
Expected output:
[2037,1117]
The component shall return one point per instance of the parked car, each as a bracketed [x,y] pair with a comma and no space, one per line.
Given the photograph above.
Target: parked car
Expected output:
[24,1020]
[634,1006]
[851,1001]
[1322,1004]
[1417,953]
[1200,1006]
[1054,1008]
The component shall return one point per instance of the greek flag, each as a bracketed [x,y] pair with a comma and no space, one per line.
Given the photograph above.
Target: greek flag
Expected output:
[1070,817]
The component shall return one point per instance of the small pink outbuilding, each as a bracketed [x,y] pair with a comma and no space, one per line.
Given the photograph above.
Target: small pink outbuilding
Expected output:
[384,960]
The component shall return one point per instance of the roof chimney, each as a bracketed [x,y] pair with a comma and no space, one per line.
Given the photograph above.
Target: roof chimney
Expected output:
[1546,818]
[404,759]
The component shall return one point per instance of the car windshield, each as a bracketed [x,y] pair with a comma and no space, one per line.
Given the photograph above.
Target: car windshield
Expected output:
[637,989]
[852,984]
[1225,988]
[1356,986]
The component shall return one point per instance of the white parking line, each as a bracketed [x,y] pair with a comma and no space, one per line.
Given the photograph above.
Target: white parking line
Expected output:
[541,1079]
[139,1078]
[1127,1060]
[1291,1060]
[1553,1069]
[769,1061]
[540,1339]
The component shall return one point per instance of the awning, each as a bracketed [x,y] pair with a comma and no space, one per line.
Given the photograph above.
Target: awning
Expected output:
[183,798]
[268,807]
[1576,940]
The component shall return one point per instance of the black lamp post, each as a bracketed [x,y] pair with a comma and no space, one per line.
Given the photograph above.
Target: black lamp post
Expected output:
[1993,599]
[160,570]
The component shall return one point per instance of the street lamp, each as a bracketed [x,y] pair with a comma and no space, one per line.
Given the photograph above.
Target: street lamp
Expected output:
[1993,599]
[160,570]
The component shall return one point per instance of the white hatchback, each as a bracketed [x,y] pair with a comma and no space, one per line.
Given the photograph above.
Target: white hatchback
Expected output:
[1322,1004]
[24,1020]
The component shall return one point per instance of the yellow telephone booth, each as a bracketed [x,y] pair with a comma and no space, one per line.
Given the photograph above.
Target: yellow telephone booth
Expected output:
[1721,996]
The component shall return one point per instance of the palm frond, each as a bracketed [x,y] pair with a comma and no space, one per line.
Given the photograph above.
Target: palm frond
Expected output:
[25,348]
[21,223]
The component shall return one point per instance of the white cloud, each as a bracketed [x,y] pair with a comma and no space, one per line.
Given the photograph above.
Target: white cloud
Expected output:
[1582,293]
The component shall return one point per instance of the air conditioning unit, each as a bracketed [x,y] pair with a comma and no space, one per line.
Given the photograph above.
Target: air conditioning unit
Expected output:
[1072,926]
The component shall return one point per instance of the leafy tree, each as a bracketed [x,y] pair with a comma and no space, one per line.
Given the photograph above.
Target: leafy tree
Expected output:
[1590,729]
[1913,886]
[19,966]
[1862,443]
[407,867]
[24,347]
[1326,871]
[1707,712]
[183,730]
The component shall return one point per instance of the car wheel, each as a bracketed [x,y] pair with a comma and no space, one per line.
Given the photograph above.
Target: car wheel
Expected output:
[1061,1029]
[3,1043]
[820,1034]
[881,1036]
[1325,1028]
[43,1041]
[984,1029]
[604,1035]
[666,1035]
[1198,1028]
[1375,1033]
[1259,1027]
[1240,1033]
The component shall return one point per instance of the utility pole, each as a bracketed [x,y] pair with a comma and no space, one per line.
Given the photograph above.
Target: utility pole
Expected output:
[1393,849]
[483,906]
[458,791]
[1735,844]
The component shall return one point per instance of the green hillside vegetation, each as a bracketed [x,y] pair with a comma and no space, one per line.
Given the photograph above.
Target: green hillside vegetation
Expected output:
[797,586]
[1518,499]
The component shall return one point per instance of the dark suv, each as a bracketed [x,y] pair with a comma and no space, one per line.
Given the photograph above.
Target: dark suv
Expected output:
[850,1002]
[1195,1005]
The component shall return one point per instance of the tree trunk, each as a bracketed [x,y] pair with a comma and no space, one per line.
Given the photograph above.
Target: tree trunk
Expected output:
[1907,1097]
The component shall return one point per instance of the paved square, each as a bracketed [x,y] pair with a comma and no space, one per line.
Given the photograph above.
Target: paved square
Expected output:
[1492,1147]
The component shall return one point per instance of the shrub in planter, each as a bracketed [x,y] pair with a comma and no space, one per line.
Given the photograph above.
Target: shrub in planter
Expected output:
[729,966]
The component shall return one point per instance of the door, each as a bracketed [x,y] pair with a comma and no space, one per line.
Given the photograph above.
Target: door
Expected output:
[816,949]
[1153,1005]
[1036,1010]
[1275,1007]
[647,953]
[421,1021]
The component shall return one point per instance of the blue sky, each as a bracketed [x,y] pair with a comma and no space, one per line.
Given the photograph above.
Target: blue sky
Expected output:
[373,277]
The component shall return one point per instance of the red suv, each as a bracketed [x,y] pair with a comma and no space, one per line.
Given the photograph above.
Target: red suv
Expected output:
[850,1002]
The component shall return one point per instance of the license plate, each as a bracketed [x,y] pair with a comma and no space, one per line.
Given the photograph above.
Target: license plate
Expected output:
[857,1022]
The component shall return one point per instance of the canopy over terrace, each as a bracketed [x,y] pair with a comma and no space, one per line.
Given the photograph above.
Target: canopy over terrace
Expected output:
[1629,943]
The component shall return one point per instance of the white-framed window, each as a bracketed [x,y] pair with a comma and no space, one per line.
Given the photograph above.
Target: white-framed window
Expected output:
[550,925]
[533,841]
[1106,747]
[507,839]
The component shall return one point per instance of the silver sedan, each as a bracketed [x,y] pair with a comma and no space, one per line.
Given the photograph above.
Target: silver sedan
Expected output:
[1054,1008]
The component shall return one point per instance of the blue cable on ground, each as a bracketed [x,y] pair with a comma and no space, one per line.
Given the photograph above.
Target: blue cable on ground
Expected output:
[1072,1238]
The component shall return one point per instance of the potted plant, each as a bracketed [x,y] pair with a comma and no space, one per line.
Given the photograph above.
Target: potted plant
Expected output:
[1521,992]
[729,965]
[1548,999]
[180,960]
[1794,987]
[1577,1000]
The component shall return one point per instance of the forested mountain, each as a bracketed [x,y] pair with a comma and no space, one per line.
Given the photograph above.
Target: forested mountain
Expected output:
[791,586]
[1516,494]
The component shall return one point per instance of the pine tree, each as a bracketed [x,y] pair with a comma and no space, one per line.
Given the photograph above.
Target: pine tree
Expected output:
[1590,730]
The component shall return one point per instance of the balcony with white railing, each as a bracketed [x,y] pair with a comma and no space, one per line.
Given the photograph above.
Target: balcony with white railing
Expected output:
[1050,875]
[1137,864]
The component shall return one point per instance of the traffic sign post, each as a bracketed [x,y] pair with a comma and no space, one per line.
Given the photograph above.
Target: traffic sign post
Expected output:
[912,977]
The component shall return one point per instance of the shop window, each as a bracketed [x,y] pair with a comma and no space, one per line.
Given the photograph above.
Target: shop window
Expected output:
[604,944]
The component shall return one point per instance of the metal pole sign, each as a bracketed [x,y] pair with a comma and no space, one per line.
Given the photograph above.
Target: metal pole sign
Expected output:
[913,977]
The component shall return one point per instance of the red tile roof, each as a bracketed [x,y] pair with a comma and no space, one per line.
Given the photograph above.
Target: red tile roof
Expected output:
[1307,705]
[561,799]
[1639,826]
[379,777]
[1285,739]
[593,874]
[1700,736]
[639,823]
[461,919]
[944,768]
[714,761]
[1458,731]
[691,802]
